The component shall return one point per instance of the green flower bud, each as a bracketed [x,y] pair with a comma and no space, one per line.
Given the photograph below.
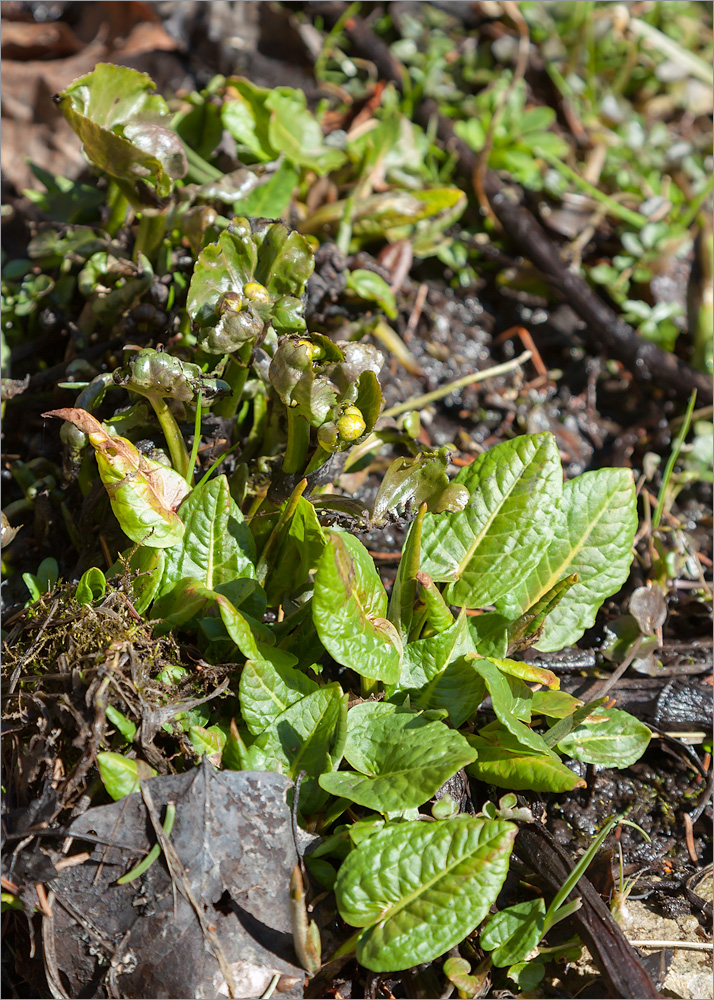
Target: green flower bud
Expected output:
[314,350]
[256,292]
[351,424]
[411,423]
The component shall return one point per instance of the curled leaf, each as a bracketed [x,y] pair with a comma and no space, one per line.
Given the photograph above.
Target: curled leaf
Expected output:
[144,495]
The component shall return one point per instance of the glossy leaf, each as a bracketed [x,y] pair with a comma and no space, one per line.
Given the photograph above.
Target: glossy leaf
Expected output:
[373,288]
[597,520]
[308,736]
[438,676]
[144,495]
[121,775]
[401,757]
[418,889]
[298,554]
[482,551]
[349,608]
[505,762]
[269,686]
[401,603]
[512,933]
[217,546]
[504,705]
[618,741]
[117,116]
[155,373]
[92,586]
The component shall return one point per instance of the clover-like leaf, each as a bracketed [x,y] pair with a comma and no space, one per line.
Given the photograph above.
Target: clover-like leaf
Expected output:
[402,757]
[144,495]
[418,889]
[498,538]
[117,116]
[594,531]
[349,608]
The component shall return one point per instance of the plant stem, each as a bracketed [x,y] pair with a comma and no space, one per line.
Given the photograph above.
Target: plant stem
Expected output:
[236,375]
[674,455]
[174,440]
[150,234]
[298,443]
[368,686]
[196,439]
[417,402]
[118,207]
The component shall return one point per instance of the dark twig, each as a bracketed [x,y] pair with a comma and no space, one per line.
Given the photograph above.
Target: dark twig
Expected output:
[606,331]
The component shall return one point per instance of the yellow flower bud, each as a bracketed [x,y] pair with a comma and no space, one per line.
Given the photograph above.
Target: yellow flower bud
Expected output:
[256,292]
[351,424]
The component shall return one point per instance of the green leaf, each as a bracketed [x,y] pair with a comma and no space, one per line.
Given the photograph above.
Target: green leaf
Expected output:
[217,546]
[594,532]
[207,741]
[123,725]
[144,495]
[505,762]
[349,608]
[512,933]
[418,889]
[189,597]
[117,115]
[91,586]
[121,775]
[554,704]
[403,757]
[294,131]
[483,551]
[269,686]
[298,554]
[505,705]
[401,603]
[373,288]
[309,735]
[438,676]
[269,200]
[618,741]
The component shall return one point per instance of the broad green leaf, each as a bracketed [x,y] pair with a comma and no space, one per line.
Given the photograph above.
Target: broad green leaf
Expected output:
[438,676]
[506,763]
[269,686]
[554,704]
[485,550]
[144,495]
[91,586]
[403,757]
[596,525]
[618,741]
[512,933]
[217,546]
[349,607]
[308,736]
[121,775]
[123,725]
[207,741]
[505,706]
[298,554]
[418,889]
[294,131]
[117,116]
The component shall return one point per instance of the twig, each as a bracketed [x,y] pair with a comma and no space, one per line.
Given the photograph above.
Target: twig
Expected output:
[665,943]
[417,402]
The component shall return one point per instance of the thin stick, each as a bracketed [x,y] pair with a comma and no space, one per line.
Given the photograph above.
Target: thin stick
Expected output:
[685,945]
[431,397]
